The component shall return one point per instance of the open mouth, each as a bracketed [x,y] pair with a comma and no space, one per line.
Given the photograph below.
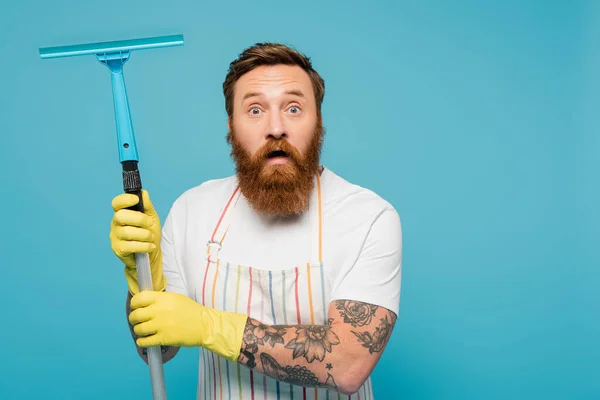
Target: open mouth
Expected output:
[277,154]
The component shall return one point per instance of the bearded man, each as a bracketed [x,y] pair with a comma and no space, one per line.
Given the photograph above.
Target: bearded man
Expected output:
[285,275]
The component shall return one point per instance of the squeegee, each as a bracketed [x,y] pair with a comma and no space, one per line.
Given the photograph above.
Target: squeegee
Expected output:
[114,55]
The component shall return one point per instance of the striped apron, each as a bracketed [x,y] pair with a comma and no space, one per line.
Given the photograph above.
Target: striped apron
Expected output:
[297,295]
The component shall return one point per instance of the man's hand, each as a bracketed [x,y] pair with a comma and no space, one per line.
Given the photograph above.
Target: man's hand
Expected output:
[136,232]
[172,319]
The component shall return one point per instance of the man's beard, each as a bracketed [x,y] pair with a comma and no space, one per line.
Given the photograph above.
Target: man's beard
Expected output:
[280,189]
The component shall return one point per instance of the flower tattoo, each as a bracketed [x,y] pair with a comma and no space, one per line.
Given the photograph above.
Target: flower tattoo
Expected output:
[356,313]
[257,333]
[376,342]
[313,342]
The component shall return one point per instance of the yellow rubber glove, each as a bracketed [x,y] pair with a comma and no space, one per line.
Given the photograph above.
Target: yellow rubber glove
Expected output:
[172,319]
[136,232]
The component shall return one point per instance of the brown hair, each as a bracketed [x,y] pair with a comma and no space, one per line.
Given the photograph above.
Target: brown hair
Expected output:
[269,54]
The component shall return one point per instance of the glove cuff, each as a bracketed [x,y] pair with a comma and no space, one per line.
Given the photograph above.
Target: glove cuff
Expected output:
[227,334]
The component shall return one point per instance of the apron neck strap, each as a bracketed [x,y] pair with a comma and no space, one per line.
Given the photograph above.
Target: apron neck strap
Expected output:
[215,243]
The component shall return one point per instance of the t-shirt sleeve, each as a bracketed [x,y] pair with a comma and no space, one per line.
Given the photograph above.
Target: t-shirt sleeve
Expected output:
[375,277]
[171,267]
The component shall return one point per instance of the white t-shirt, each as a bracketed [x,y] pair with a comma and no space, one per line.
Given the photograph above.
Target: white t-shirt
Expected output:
[362,239]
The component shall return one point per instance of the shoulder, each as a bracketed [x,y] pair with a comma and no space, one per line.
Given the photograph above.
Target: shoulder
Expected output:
[205,196]
[347,200]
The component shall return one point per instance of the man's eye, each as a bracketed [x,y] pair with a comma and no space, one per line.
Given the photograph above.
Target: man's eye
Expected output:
[254,111]
[294,110]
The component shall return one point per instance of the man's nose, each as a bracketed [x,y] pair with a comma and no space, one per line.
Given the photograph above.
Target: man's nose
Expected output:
[276,127]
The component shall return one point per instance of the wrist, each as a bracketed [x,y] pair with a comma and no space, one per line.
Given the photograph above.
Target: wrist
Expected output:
[223,332]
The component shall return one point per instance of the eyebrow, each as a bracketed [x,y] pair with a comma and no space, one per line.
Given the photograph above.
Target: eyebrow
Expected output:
[290,92]
[295,93]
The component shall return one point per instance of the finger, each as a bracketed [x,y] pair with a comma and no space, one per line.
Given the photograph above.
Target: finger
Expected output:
[124,200]
[132,218]
[123,248]
[140,315]
[145,329]
[133,233]
[151,341]
[144,298]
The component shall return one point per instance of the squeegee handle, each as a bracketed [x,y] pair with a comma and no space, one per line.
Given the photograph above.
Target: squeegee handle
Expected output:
[132,183]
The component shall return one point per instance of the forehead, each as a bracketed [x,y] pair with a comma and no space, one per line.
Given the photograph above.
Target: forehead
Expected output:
[274,81]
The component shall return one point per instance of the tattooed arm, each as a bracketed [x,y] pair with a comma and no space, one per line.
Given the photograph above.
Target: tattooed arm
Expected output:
[338,356]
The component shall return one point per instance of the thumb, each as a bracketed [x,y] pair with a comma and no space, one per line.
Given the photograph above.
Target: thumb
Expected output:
[148,206]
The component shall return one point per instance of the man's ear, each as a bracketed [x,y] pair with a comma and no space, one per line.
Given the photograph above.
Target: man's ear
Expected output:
[229,124]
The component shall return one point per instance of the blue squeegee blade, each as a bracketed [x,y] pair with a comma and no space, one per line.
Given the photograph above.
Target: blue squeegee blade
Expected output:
[111,47]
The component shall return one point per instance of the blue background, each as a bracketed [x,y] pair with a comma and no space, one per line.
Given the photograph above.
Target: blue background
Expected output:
[477,120]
